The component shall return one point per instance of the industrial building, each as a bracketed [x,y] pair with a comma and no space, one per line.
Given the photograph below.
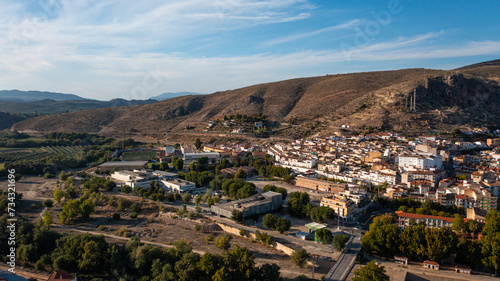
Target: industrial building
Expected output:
[254,205]
[122,165]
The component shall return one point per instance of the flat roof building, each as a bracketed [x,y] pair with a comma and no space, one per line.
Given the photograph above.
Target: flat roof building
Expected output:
[253,205]
[343,207]
[319,185]
[177,185]
[122,165]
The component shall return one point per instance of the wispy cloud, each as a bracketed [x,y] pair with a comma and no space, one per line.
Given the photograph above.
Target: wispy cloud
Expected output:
[104,49]
[294,37]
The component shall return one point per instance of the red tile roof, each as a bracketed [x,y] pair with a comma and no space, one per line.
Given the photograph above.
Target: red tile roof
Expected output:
[418,216]
[60,275]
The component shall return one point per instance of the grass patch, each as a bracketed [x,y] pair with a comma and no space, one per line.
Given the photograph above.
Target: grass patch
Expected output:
[139,155]
[2,166]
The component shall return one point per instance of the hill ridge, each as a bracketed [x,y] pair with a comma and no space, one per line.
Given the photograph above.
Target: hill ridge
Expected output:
[445,99]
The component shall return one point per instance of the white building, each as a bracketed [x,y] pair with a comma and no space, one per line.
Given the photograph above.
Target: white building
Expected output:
[419,162]
[134,178]
[177,185]
[191,157]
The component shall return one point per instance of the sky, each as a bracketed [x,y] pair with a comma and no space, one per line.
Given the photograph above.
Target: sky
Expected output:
[139,49]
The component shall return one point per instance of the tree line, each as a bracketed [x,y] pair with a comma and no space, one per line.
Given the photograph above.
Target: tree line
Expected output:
[94,258]
[437,244]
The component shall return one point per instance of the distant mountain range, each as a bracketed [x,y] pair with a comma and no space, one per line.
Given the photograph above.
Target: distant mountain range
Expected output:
[49,106]
[166,96]
[382,100]
[43,103]
[26,96]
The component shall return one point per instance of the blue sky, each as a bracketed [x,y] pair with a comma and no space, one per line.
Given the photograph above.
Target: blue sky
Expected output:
[138,49]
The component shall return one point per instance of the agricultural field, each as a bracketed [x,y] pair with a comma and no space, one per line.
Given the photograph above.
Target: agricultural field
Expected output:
[139,155]
[64,150]
[21,155]
[33,154]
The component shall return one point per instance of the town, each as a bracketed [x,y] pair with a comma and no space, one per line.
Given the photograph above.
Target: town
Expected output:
[356,176]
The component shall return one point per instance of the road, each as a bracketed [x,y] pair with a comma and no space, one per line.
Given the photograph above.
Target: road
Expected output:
[345,262]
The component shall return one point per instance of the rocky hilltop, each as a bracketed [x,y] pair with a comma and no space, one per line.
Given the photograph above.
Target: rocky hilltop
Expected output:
[414,100]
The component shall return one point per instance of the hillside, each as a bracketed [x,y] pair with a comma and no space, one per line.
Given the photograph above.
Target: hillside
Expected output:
[49,106]
[7,120]
[445,99]
[166,96]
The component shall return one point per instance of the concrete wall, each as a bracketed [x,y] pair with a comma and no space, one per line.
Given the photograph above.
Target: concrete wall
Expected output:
[236,231]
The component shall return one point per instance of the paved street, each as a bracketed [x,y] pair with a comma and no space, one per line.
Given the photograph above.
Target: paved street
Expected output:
[344,264]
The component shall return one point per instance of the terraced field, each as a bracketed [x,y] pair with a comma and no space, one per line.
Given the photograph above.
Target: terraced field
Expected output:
[65,150]
[18,154]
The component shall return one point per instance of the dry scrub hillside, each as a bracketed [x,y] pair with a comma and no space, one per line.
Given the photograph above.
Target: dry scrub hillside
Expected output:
[467,96]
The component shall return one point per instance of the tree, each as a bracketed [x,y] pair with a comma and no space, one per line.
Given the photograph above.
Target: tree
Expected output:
[48,203]
[458,223]
[58,194]
[92,259]
[86,208]
[197,200]
[198,144]
[490,241]
[47,218]
[298,204]
[268,272]
[210,201]
[383,236]
[370,272]
[221,275]
[237,216]
[70,211]
[473,226]
[209,263]
[179,164]
[186,268]
[339,241]
[186,198]
[263,237]
[135,208]
[109,185]
[240,174]
[240,262]
[203,160]
[321,214]
[441,243]
[223,242]
[413,242]
[27,253]
[282,225]
[126,189]
[274,188]
[269,221]
[299,257]
[324,236]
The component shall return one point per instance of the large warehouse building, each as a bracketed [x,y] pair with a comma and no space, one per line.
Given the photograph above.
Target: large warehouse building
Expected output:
[253,205]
